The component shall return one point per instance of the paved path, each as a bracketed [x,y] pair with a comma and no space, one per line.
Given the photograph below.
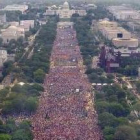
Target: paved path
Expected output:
[66,108]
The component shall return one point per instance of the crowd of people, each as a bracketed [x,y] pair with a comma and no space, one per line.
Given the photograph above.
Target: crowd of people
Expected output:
[66,108]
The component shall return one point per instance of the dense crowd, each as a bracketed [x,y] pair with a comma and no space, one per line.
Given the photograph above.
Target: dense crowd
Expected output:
[66,108]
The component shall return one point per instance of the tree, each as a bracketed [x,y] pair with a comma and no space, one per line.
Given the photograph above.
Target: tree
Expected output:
[110,76]
[38,87]
[24,125]
[131,70]
[14,104]
[138,86]
[7,107]
[113,98]
[13,15]
[3,93]
[10,126]
[102,106]
[137,107]
[117,109]
[18,103]
[107,119]
[5,137]
[20,41]
[18,88]
[121,94]
[39,75]
[31,104]
[1,123]
[109,137]
[109,133]
[7,68]
[122,121]
[22,134]
[1,42]
[109,130]
[100,96]
[125,133]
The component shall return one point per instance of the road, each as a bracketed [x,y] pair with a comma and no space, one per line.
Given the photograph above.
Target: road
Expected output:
[29,48]
[95,62]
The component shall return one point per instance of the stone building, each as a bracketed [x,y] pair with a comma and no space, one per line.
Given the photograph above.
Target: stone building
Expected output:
[65,11]
[27,24]
[121,38]
[3,57]
[12,32]
[16,7]
[108,60]
[124,12]
[3,19]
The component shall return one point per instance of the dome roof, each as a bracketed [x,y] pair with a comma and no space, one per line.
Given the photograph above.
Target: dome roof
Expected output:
[12,27]
[66,5]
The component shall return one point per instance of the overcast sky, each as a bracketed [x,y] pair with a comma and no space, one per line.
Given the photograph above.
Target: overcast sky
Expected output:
[92,1]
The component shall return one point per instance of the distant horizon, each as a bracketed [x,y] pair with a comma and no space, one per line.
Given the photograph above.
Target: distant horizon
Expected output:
[107,2]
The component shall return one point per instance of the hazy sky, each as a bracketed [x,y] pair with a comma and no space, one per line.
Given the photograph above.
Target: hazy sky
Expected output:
[92,1]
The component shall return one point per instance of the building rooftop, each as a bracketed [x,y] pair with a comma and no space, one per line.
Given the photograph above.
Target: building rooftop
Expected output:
[16,7]
[66,5]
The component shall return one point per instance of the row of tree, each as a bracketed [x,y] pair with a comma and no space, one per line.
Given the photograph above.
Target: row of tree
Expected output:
[115,114]
[89,47]
[11,131]
[85,37]
[34,69]
[20,99]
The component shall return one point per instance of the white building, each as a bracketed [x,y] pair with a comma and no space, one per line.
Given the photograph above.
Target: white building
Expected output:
[2,19]
[12,32]
[127,15]
[3,57]
[65,12]
[90,6]
[131,43]
[124,12]
[126,52]
[139,72]
[50,12]
[111,30]
[65,24]
[16,7]
[14,23]
[120,38]
[27,24]
[134,25]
